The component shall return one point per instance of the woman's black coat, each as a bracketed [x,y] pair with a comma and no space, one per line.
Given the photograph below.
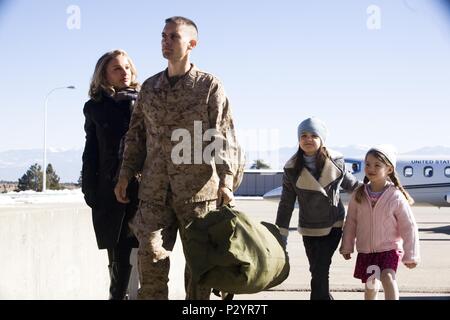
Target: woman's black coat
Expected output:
[106,122]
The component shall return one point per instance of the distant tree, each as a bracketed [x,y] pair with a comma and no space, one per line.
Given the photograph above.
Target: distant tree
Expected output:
[259,164]
[52,178]
[80,179]
[32,179]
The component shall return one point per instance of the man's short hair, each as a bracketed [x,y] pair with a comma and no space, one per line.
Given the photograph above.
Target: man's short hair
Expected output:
[183,20]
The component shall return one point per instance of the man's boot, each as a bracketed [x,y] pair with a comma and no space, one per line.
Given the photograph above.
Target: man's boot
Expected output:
[119,275]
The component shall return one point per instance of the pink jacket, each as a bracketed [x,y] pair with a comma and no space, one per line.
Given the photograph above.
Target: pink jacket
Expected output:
[389,225]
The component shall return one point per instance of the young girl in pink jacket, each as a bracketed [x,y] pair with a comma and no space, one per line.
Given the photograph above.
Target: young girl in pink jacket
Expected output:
[379,217]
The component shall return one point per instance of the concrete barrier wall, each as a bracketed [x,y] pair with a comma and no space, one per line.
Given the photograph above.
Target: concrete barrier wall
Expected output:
[49,251]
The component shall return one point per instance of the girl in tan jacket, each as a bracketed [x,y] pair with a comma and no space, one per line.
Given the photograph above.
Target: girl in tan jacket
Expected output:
[380,219]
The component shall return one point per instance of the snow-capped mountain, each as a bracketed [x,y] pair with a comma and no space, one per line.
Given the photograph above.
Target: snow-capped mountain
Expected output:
[67,163]
[438,150]
[276,160]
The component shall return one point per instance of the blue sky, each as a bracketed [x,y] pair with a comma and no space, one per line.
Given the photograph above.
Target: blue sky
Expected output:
[280,61]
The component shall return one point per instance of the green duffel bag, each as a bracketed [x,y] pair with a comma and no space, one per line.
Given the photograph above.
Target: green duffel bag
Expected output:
[228,251]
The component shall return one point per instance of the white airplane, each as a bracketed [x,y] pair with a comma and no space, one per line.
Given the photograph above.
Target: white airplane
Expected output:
[426,178]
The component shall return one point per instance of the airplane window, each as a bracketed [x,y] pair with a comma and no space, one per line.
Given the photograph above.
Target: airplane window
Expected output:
[447,172]
[428,172]
[408,171]
[355,167]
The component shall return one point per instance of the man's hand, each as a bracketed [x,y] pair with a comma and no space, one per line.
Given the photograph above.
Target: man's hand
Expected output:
[224,196]
[347,256]
[121,191]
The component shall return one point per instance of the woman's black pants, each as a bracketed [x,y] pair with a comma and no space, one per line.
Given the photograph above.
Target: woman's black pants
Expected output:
[119,270]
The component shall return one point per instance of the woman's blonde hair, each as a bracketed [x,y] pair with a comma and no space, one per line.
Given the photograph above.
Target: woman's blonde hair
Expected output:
[99,81]
[359,193]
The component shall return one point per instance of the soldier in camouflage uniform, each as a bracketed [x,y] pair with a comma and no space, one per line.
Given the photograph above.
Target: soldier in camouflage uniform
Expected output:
[180,102]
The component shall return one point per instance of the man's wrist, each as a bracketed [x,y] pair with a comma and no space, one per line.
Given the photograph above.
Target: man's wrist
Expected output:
[124,176]
[226,181]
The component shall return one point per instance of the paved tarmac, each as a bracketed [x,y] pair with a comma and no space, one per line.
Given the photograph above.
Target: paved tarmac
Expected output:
[429,281]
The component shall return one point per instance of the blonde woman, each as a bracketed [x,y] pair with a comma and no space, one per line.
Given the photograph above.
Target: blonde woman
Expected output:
[113,91]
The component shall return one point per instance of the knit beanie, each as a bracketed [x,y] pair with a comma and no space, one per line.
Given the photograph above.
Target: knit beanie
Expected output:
[315,126]
[388,151]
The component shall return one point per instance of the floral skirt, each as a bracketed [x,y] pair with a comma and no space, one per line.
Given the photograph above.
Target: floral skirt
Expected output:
[369,263]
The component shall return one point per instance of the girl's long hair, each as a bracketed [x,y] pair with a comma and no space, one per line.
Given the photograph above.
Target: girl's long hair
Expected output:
[359,193]
[322,155]
[99,81]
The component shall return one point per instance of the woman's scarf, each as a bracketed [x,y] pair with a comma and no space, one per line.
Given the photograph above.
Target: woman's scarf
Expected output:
[126,94]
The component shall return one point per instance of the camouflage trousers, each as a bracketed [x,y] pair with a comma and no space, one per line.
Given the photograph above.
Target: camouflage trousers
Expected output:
[155,226]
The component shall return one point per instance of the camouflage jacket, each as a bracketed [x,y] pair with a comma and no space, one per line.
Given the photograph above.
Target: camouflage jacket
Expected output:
[169,133]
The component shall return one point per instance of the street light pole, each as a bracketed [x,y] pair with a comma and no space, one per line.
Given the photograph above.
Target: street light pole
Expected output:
[44,169]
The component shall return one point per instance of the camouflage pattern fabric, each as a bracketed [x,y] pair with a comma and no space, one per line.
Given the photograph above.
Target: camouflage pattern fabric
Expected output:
[156,227]
[196,103]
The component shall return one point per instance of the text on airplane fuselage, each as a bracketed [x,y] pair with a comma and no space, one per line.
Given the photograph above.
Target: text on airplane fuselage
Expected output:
[430,161]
